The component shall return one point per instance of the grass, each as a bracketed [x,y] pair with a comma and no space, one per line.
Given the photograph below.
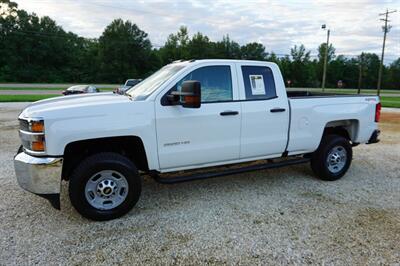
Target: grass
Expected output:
[44,89]
[390,102]
[351,91]
[30,89]
[26,97]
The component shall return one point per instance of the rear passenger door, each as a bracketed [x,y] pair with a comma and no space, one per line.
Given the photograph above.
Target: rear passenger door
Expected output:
[265,111]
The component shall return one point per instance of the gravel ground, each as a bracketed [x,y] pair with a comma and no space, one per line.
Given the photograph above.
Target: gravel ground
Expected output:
[281,216]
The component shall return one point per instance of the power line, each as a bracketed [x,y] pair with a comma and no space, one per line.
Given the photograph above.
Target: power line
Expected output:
[386,29]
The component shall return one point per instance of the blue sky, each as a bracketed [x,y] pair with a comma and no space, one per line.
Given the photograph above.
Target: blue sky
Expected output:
[279,25]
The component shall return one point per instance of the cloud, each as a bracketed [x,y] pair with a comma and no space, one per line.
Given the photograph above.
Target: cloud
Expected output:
[355,25]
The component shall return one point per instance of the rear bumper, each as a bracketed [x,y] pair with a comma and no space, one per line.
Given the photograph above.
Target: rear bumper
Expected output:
[374,137]
[39,175]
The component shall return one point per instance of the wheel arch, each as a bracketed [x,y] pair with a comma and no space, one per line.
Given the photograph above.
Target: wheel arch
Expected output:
[130,146]
[346,128]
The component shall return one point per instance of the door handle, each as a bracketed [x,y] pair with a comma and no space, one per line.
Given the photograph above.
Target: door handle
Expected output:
[277,110]
[229,113]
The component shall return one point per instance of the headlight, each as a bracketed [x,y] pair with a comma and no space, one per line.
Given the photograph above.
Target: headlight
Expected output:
[32,135]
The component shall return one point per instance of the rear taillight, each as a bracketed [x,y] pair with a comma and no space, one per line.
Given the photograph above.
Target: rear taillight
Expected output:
[378,112]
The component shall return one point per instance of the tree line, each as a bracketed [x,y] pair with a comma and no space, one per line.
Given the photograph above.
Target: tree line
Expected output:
[36,49]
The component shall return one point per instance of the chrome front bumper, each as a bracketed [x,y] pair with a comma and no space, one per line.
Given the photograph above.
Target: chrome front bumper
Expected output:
[39,175]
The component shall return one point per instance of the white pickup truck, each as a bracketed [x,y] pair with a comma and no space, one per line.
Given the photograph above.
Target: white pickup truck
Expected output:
[188,115]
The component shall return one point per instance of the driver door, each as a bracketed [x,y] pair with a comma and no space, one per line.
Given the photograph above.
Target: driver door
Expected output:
[188,137]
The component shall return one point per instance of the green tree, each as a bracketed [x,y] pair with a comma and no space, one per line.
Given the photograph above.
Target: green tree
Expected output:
[392,80]
[343,69]
[301,72]
[253,51]
[371,64]
[321,52]
[124,52]
[199,47]
[286,69]
[34,49]
[320,65]
[227,49]
[176,46]
[37,49]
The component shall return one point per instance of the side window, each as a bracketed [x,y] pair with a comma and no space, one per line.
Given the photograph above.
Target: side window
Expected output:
[216,83]
[258,82]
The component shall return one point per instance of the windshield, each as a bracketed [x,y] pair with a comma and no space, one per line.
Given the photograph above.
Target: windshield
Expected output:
[130,82]
[142,90]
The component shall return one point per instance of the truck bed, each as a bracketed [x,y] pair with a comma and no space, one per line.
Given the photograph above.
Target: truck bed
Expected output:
[305,94]
[311,113]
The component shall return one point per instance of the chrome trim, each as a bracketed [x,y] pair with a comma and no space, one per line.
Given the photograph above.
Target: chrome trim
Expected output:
[34,153]
[38,175]
[31,136]
[23,124]
[29,122]
[30,119]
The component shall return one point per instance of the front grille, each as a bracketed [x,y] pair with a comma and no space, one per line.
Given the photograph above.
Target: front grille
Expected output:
[23,125]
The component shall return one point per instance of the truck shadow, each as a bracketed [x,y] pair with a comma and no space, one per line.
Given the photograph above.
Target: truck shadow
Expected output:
[164,198]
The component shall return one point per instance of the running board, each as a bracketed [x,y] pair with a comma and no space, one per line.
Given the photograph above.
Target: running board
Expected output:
[212,174]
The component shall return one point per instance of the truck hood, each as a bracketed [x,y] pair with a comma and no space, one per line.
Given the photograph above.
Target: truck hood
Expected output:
[70,105]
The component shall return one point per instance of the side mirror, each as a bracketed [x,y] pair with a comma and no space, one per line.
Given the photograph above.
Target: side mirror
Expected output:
[189,96]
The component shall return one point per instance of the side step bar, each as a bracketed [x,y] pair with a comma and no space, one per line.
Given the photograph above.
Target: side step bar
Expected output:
[200,176]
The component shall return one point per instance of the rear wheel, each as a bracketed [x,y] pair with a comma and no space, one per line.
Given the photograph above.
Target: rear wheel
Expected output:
[104,186]
[333,157]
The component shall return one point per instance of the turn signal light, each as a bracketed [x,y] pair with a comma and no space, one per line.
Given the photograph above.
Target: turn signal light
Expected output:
[37,146]
[37,126]
[190,99]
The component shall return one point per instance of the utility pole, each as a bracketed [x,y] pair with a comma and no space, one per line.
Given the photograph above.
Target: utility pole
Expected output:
[386,29]
[325,57]
[360,63]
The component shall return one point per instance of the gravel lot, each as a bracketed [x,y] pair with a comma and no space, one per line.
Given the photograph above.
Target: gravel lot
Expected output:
[281,216]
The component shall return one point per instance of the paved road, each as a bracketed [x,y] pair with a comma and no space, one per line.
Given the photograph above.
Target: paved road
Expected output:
[25,92]
[51,85]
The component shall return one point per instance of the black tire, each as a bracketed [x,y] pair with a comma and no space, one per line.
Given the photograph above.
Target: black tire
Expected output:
[319,159]
[95,164]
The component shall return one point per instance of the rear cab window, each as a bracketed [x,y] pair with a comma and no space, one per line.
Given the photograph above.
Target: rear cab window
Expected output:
[258,82]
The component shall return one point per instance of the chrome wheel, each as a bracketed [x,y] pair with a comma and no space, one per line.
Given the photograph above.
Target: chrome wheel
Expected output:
[337,159]
[106,189]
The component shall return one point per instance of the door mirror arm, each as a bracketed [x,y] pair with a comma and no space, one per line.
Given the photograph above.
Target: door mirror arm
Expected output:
[173,98]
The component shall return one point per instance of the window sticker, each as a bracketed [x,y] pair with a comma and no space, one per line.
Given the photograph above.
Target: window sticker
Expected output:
[257,84]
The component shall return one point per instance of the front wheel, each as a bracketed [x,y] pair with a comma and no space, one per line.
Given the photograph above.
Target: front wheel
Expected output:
[104,186]
[333,157]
